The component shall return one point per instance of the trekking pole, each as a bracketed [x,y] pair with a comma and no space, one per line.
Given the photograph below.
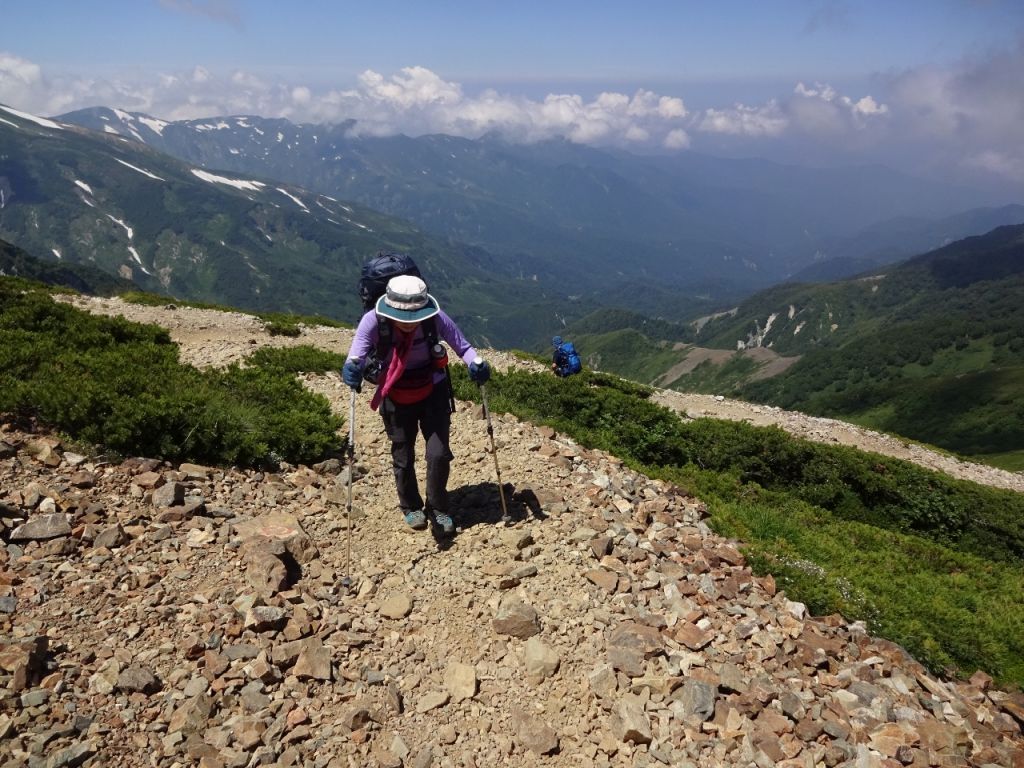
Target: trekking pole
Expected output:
[505,517]
[346,580]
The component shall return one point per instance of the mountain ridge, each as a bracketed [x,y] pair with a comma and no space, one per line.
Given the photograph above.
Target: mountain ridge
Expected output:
[80,196]
[546,205]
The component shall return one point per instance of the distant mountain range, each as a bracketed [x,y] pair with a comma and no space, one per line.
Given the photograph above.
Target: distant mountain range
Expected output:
[517,241]
[75,196]
[897,239]
[566,212]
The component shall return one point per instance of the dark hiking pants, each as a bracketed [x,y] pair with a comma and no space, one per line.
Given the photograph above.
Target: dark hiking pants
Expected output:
[431,417]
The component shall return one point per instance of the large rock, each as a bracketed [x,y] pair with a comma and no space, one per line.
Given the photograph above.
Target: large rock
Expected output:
[273,546]
[533,734]
[314,660]
[540,659]
[137,678]
[24,659]
[516,618]
[278,533]
[191,715]
[396,606]
[460,680]
[629,722]
[42,527]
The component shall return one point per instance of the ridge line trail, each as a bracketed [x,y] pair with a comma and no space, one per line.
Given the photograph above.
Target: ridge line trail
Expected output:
[213,337]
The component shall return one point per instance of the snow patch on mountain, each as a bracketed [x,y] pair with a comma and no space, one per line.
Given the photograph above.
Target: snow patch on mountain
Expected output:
[758,336]
[157,126]
[32,118]
[127,229]
[140,170]
[298,202]
[252,186]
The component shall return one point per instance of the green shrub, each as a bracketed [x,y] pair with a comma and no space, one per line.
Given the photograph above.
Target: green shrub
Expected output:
[109,382]
[304,358]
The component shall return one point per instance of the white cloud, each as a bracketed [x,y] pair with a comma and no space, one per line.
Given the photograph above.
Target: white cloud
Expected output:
[741,120]
[971,113]
[868,106]
[999,163]
[967,115]
[818,110]
[417,100]
[17,70]
[413,87]
[19,79]
[677,138]
[821,109]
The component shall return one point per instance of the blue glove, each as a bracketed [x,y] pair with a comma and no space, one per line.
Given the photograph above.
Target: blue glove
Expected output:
[479,372]
[352,375]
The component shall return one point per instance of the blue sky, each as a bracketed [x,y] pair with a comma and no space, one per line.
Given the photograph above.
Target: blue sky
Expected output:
[932,86]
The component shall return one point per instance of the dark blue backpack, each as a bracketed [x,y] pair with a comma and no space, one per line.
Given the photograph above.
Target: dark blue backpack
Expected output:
[373,281]
[568,360]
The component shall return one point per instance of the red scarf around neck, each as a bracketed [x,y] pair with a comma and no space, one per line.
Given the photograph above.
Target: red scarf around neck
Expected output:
[399,351]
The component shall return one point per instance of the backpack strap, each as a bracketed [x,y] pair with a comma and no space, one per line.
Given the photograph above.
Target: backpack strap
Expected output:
[385,340]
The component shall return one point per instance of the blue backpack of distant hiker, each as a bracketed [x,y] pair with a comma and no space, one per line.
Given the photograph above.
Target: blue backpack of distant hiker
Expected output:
[567,360]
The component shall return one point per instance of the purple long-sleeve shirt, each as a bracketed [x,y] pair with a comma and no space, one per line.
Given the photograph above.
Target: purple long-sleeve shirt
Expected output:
[367,336]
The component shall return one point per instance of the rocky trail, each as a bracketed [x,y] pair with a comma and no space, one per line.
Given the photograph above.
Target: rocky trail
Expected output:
[158,615]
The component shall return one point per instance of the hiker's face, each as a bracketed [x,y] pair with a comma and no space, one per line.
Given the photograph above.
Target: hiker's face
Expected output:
[406,327]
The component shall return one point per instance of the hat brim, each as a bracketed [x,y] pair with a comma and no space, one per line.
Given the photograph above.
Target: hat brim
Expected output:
[429,309]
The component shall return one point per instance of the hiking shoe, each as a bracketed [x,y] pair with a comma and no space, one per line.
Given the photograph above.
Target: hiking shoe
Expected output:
[444,522]
[416,520]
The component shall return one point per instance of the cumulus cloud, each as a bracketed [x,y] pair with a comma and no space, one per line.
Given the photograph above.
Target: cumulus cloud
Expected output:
[19,79]
[816,109]
[414,101]
[741,120]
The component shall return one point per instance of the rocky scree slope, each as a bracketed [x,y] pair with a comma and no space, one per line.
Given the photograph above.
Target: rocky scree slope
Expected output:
[158,615]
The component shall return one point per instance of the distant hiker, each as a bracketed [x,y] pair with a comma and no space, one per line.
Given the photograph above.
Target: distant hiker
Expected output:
[565,361]
[412,388]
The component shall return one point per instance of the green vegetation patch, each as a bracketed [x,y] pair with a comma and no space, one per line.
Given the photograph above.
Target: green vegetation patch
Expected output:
[954,611]
[301,359]
[626,353]
[109,382]
[711,378]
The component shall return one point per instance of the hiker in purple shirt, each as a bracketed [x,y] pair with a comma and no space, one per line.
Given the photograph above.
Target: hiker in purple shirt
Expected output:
[403,333]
